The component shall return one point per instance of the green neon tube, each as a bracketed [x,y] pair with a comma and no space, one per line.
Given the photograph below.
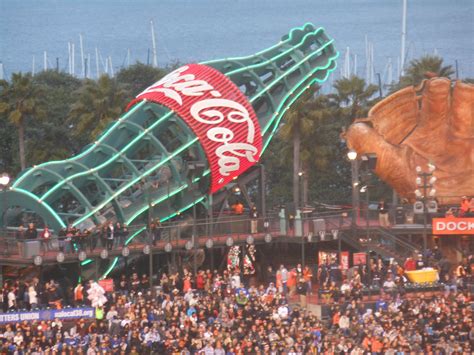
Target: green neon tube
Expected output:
[331,60]
[136,139]
[47,206]
[290,37]
[87,151]
[108,161]
[134,181]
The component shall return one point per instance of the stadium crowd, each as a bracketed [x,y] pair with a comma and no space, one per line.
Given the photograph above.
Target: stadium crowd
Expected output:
[215,313]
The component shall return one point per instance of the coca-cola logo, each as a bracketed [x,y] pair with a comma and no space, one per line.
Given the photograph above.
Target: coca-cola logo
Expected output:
[217,112]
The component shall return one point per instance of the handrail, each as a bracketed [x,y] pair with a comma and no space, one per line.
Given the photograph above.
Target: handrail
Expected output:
[402,242]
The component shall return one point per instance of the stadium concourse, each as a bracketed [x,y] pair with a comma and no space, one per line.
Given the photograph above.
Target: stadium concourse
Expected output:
[220,313]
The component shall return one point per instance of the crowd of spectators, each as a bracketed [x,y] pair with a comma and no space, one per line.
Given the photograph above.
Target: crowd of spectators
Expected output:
[72,239]
[218,313]
[465,209]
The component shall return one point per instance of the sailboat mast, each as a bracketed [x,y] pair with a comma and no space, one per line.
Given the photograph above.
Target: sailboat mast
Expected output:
[73,54]
[81,44]
[97,69]
[69,58]
[111,66]
[45,60]
[404,35]
[153,39]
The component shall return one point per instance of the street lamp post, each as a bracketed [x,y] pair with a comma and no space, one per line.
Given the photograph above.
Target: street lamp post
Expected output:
[352,155]
[365,189]
[194,241]
[4,181]
[300,179]
[425,180]
[150,236]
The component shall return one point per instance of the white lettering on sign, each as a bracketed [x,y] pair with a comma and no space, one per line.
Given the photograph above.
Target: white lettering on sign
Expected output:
[30,316]
[454,226]
[211,111]
[9,317]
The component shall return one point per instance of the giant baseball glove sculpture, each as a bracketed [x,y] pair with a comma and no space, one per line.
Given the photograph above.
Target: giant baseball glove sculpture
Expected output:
[433,123]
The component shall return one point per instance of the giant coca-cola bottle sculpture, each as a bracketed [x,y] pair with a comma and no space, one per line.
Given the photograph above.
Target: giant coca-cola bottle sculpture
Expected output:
[201,125]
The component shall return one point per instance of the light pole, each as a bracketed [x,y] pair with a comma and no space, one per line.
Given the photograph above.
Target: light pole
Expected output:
[300,177]
[38,261]
[425,181]
[365,189]
[81,257]
[352,156]
[4,181]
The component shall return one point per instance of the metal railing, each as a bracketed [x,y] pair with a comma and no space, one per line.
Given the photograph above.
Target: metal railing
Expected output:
[178,232]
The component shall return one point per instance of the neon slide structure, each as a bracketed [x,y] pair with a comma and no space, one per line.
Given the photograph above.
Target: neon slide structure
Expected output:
[201,125]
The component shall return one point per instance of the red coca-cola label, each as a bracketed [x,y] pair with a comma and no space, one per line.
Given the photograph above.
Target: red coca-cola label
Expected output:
[217,112]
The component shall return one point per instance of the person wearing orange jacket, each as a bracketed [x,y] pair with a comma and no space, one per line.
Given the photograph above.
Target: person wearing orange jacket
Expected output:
[291,283]
[308,277]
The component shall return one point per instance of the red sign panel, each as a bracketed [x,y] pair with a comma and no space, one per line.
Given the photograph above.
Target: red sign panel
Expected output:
[359,258]
[452,225]
[107,285]
[217,112]
[344,260]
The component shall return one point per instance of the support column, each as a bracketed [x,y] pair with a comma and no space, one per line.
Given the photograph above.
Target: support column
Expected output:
[263,206]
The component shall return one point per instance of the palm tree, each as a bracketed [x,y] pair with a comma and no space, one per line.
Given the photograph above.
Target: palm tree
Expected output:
[418,68]
[353,97]
[20,101]
[98,103]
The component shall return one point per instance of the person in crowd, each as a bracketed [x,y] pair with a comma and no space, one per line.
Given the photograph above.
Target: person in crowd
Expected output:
[33,294]
[238,208]
[253,219]
[308,279]
[383,214]
[470,212]
[111,234]
[155,230]
[465,206]
[46,238]
[69,238]
[253,320]
[124,234]
[31,233]
[302,290]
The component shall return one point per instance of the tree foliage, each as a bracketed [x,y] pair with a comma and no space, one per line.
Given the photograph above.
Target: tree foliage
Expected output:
[97,104]
[138,77]
[54,115]
[418,68]
[21,102]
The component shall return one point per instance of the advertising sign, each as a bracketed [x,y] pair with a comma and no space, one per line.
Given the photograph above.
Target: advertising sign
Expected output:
[452,225]
[326,257]
[47,314]
[107,285]
[359,258]
[218,113]
[344,260]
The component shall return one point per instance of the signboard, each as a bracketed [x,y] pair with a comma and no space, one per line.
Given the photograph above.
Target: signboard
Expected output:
[344,260]
[359,258]
[452,225]
[325,257]
[47,314]
[107,285]
[218,113]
